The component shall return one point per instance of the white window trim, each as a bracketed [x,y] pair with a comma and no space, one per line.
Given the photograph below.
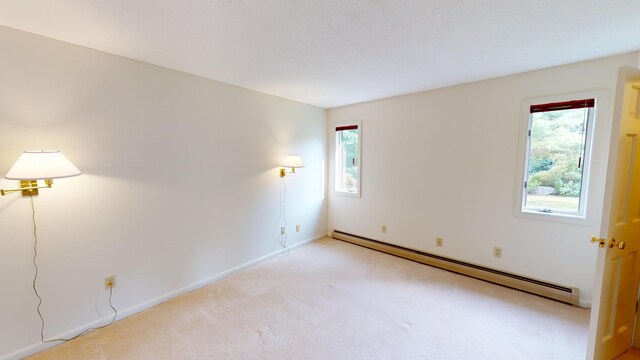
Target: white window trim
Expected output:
[595,130]
[333,142]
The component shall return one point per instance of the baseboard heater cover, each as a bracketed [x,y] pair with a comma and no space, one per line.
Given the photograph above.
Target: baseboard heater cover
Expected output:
[565,294]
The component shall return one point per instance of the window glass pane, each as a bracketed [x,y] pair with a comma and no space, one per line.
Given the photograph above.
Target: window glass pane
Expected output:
[556,160]
[347,160]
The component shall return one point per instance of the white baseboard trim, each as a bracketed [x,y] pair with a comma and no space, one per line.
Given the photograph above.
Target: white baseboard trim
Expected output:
[36,348]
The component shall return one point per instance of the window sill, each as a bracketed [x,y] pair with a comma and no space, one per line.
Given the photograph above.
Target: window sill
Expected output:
[573,219]
[345,193]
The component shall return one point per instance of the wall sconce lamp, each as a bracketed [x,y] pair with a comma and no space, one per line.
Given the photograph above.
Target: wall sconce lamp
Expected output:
[34,165]
[293,162]
[31,166]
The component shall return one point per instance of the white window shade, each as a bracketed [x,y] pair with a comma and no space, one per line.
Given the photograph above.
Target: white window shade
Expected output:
[42,164]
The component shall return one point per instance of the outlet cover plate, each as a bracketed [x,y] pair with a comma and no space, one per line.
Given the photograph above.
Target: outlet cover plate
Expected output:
[109,281]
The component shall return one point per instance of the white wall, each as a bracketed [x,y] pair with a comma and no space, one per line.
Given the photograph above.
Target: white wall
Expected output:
[180,182]
[444,163]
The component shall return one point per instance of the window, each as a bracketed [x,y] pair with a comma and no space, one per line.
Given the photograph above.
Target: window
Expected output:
[557,162]
[347,158]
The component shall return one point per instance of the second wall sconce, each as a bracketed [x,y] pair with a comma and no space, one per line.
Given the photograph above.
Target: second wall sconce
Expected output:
[34,165]
[292,161]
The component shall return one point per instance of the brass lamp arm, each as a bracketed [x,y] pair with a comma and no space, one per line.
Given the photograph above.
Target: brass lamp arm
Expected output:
[283,171]
[28,187]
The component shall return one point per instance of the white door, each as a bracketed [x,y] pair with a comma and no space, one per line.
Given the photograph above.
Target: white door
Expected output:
[617,269]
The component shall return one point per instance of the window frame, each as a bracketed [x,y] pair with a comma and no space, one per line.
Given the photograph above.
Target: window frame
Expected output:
[358,192]
[584,215]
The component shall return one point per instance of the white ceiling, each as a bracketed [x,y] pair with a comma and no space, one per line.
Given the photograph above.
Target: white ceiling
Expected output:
[336,52]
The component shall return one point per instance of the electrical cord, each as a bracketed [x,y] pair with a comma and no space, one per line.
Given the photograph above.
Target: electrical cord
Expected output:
[283,205]
[35,290]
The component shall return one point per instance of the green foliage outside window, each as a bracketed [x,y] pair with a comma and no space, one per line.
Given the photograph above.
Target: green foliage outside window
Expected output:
[556,152]
[348,160]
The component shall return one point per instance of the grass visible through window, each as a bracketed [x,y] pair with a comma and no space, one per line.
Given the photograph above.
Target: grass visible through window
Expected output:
[553,202]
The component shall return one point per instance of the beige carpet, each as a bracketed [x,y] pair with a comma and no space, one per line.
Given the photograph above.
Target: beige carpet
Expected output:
[333,300]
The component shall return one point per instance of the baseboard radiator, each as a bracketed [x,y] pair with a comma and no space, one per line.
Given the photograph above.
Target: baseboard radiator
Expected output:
[549,290]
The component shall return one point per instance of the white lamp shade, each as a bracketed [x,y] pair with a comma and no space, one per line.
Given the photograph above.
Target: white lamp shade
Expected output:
[42,164]
[293,161]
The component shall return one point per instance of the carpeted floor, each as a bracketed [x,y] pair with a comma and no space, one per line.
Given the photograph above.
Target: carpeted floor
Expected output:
[333,300]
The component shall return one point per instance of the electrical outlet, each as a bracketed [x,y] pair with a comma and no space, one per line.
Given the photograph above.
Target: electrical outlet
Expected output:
[497,252]
[110,281]
[282,230]
[439,241]
[298,228]
[384,229]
